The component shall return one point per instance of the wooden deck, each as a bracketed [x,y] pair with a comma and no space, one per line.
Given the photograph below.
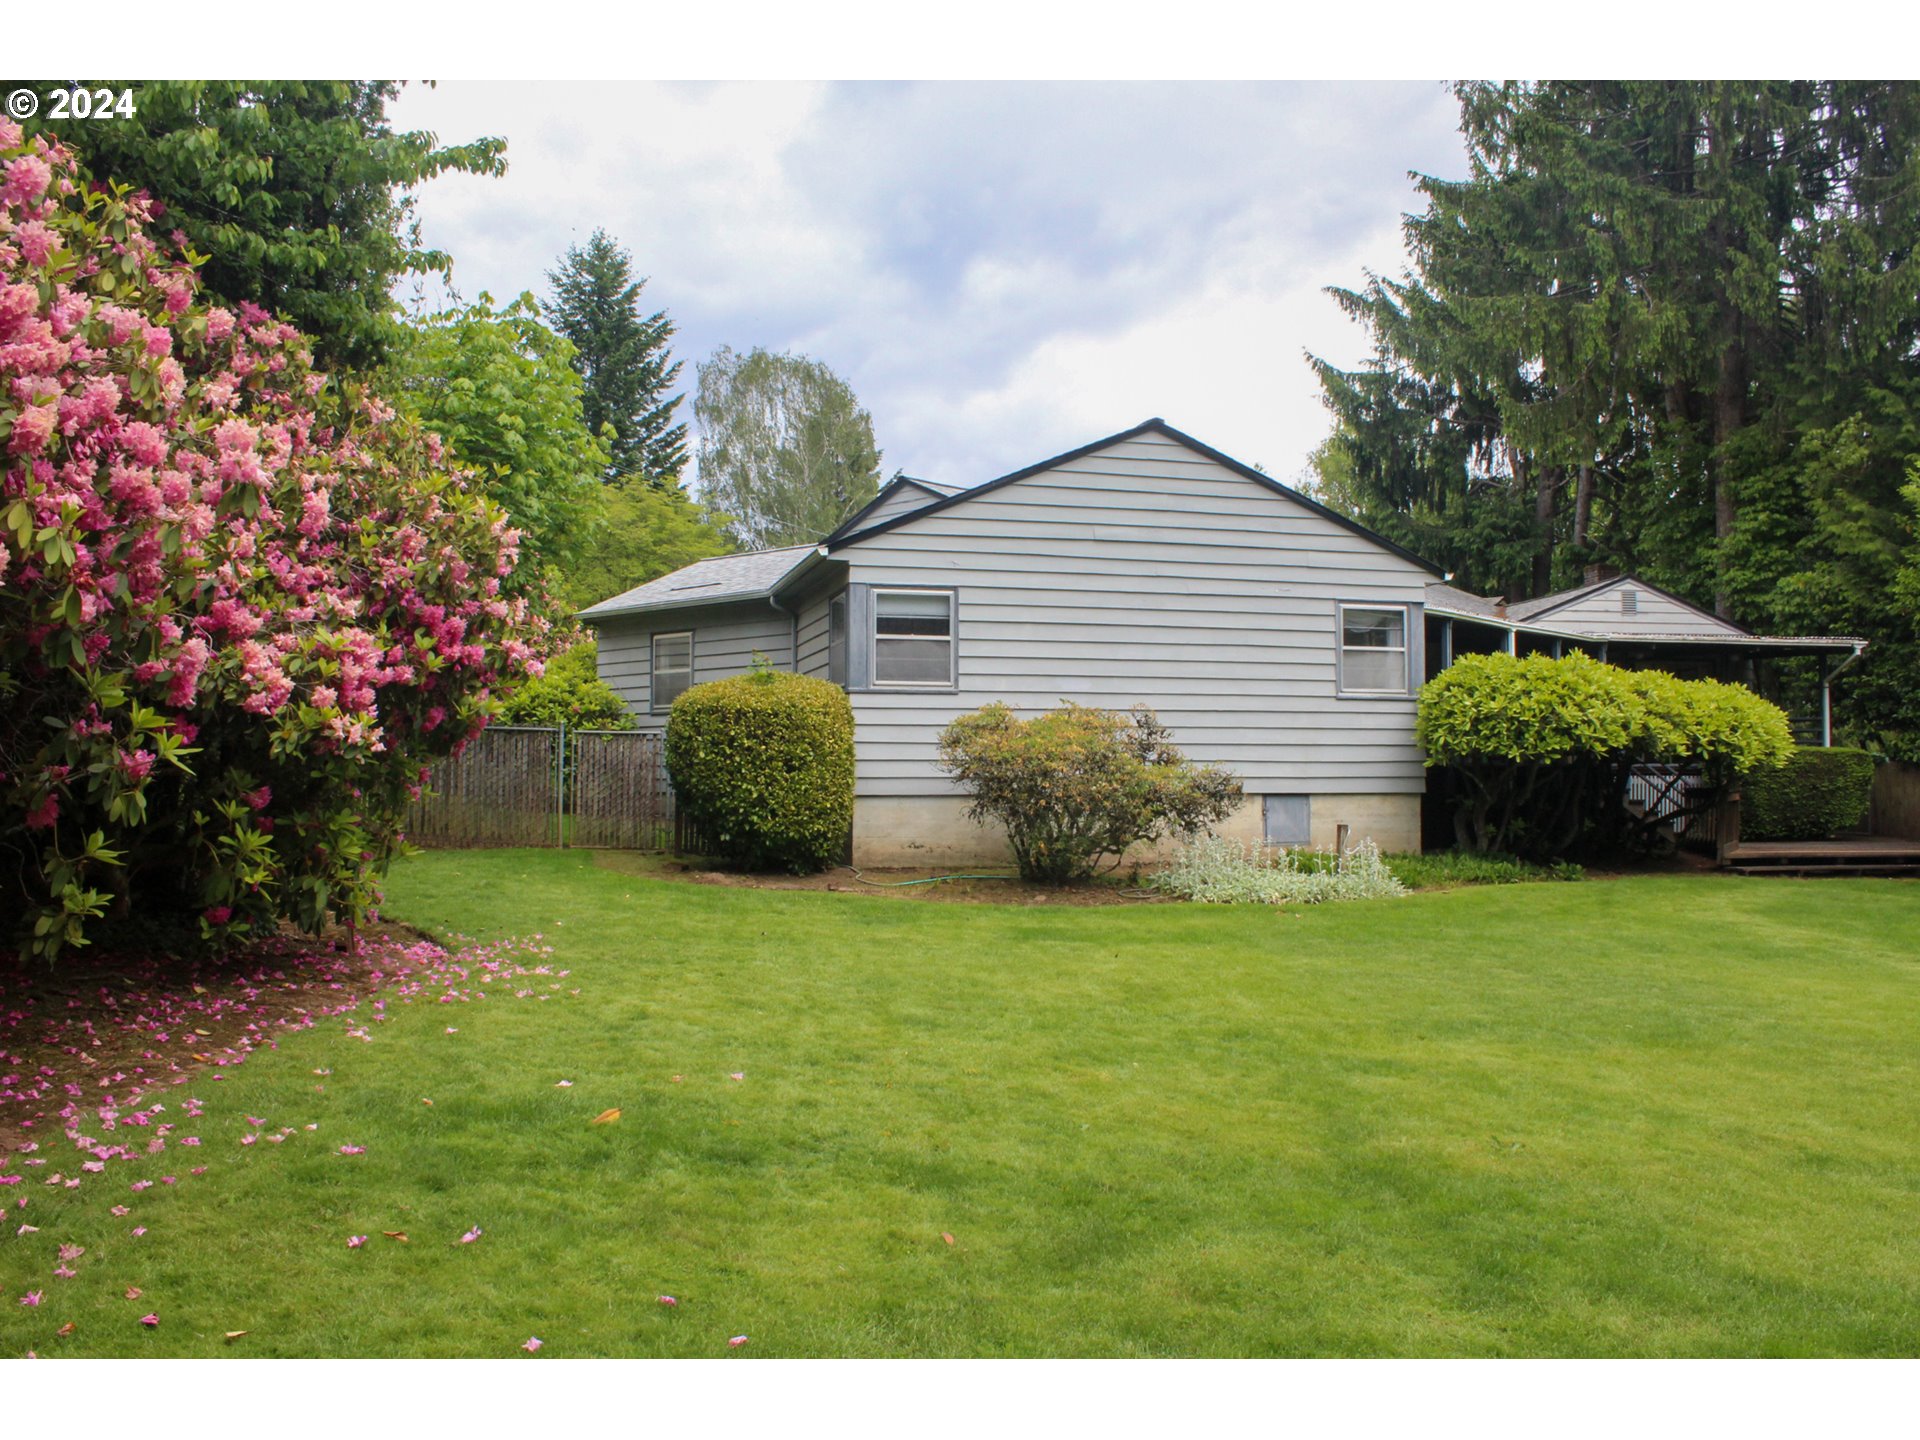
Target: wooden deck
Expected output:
[1854,855]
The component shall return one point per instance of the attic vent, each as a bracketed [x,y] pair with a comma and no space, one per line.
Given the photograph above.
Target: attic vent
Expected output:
[1629,602]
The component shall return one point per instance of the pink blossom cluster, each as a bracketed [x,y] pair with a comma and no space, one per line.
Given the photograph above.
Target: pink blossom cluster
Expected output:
[203,550]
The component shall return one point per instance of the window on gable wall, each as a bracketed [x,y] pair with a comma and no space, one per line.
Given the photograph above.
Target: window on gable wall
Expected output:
[913,637]
[1373,650]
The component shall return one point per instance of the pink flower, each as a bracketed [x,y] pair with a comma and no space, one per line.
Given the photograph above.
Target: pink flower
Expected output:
[354,1242]
[737,1075]
[471,1236]
[736,1342]
[219,914]
[120,1210]
[249,1139]
[138,1231]
[150,1320]
[140,1185]
[667,1300]
[61,1272]
[32,1298]
[353,1149]
[533,1344]
[562,1084]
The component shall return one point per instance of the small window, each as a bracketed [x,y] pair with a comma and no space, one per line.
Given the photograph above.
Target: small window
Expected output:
[913,637]
[1373,651]
[837,640]
[672,669]
[1629,602]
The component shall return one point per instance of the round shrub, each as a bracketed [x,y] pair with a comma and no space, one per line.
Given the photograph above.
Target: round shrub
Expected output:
[762,767]
[1816,793]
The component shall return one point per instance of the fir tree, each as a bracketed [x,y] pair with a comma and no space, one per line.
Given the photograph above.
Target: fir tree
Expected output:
[623,358]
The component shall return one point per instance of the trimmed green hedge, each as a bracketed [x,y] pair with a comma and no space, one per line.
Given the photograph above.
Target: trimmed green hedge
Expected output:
[1816,793]
[762,765]
[571,693]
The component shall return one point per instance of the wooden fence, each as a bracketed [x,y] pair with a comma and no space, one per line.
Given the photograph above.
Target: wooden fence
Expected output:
[526,785]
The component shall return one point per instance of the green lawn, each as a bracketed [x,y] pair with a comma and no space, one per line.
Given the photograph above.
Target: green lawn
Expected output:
[1662,1116]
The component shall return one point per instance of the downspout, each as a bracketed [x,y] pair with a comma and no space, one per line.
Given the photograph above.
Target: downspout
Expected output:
[1827,677]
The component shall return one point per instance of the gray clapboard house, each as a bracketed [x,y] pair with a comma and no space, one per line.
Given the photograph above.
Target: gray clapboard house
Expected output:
[1275,636]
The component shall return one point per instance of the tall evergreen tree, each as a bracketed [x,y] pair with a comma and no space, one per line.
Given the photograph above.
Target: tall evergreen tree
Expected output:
[623,357]
[1673,326]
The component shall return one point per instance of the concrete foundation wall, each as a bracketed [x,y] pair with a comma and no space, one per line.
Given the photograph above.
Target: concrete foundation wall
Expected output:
[934,831]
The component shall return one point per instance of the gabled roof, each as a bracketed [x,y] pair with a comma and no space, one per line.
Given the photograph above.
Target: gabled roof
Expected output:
[932,490]
[754,575]
[1155,426]
[1547,604]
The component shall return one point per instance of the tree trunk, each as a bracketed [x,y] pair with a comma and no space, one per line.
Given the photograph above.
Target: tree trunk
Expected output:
[1546,480]
[1729,415]
[1583,508]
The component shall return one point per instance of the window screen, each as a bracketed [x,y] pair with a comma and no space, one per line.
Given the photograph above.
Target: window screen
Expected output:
[672,668]
[1373,650]
[912,637]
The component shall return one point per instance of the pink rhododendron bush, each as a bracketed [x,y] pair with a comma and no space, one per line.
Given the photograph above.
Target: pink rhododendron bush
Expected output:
[239,614]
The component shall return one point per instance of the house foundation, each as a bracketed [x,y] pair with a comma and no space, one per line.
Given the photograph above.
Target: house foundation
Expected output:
[933,831]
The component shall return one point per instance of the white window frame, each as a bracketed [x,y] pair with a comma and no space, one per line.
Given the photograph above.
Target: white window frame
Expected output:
[654,707]
[874,639]
[1346,691]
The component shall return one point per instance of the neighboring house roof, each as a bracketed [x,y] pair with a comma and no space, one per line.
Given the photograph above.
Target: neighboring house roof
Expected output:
[1542,617]
[754,575]
[1157,426]
[1546,605]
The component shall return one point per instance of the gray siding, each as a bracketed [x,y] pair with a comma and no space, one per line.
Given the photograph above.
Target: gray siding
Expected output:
[1653,615]
[1146,572]
[813,638]
[911,497]
[724,639]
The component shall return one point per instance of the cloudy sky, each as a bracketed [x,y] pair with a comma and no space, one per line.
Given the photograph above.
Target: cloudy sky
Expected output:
[1001,271]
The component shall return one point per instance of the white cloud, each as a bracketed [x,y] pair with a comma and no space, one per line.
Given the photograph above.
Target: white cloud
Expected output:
[1001,271]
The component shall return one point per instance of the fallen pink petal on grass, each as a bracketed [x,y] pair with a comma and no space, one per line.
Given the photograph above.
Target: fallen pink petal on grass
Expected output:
[533,1343]
[471,1236]
[134,1292]
[353,1149]
[738,1075]
[72,1252]
[32,1298]
[668,1301]
[150,1320]
[61,1272]
[563,1084]
[118,1211]
[354,1242]
[736,1342]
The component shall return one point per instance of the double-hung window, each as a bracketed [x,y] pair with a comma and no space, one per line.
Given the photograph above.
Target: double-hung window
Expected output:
[913,638]
[672,668]
[1373,650]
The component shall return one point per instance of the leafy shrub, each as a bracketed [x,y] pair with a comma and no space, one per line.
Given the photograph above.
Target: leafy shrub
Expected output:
[238,618]
[1216,871]
[1816,793]
[570,693]
[1544,747]
[1077,785]
[762,765]
[1465,867]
